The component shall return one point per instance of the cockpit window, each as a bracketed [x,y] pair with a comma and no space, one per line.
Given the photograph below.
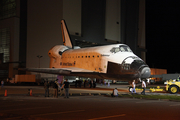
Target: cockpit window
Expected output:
[61,52]
[121,48]
[125,48]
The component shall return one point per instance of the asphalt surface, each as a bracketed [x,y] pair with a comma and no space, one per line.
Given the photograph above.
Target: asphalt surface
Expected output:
[86,108]
[83,104]
[99,90]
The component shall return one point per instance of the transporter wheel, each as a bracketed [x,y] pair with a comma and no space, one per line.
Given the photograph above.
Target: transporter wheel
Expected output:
[130,89]
[173,89]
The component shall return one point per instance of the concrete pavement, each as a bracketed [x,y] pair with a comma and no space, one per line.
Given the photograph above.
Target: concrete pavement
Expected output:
[39,90]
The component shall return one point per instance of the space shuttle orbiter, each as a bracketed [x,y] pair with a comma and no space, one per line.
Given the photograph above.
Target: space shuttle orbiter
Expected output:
[115,62]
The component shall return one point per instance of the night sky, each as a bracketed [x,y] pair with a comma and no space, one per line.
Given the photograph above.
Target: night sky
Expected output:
[163,34]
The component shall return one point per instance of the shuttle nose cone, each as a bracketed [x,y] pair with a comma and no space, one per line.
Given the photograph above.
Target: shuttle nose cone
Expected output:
[145,72]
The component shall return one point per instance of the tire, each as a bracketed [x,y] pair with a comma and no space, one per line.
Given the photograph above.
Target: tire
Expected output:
[173,89]
[130,89]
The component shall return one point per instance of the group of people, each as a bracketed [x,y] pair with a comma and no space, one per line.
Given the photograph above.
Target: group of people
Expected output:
[104,82]
[56,85]
[115,91]
[134,87]
[66,86]
[91,83]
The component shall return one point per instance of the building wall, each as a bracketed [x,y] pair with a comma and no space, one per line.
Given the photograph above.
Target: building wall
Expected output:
[113,20]
[130,13]
[43,30]
[9,21]
[141,25]
[91,20]
[141,31]
[72,16]
[12,24]
[23,33]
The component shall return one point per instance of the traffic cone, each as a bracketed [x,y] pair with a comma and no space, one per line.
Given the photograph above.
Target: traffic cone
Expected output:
[5,94]
[30,92]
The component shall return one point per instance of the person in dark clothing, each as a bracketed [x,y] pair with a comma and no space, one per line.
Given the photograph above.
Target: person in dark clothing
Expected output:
[66,86]
[85,83]
[143,87]
[46,87]
[2,84]
[80,83]
[76,83]
[94,84]
[90,84]
[55,86]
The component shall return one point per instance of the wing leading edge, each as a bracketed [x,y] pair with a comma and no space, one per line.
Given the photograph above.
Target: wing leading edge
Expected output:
[59,71]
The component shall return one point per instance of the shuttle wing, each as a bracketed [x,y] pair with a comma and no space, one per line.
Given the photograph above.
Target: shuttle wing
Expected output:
[74,69]
[60,71]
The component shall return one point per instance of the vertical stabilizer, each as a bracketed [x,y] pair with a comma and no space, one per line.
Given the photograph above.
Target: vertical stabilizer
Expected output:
[65,34]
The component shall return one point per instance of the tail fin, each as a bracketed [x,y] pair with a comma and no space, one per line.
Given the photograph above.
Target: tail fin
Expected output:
[65,34]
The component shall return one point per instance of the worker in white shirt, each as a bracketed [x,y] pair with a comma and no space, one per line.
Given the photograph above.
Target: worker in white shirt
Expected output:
[133,87]
[143,87]
[115,92]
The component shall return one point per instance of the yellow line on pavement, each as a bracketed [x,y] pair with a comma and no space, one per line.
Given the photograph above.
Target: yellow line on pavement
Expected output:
[107,117]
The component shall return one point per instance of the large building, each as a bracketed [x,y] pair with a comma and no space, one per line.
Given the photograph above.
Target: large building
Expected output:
[29,28]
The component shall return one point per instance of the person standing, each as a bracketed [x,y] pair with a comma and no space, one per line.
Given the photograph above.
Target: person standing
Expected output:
[108,83]
[133,87]
[55,86]
[80,83]
[90,83]
[2,84]
[104,83]
[46,87]
[66,87]
[94,84]
[178,78]
[143,87]
[85,83]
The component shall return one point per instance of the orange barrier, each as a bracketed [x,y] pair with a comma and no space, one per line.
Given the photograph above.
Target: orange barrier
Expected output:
[30,92]
[5,93]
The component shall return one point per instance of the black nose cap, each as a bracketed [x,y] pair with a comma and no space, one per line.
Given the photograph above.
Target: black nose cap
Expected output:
[145,72]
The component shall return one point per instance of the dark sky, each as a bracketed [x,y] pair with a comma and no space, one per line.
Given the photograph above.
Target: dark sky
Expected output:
[163,34]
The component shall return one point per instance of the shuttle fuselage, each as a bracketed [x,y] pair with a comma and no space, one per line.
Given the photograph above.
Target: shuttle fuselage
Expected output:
[115,62]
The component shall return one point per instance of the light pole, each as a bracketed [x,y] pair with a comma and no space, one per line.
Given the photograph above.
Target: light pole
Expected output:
[39,56]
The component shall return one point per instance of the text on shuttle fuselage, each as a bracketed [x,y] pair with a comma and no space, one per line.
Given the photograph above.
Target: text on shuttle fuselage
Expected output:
[67,64]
